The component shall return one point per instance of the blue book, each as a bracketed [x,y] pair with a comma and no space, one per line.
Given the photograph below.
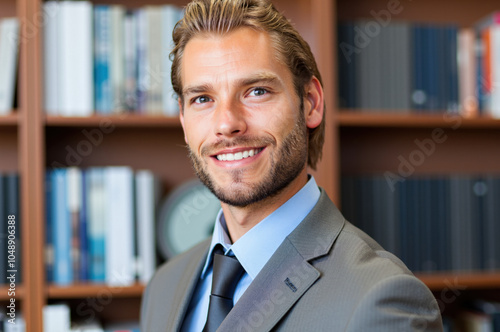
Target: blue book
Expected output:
[82,233]
[61,227]
[102,51]
[96,224]
[49,240]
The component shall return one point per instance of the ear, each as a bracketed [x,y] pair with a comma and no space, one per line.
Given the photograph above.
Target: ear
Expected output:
[313,103]
[181,117]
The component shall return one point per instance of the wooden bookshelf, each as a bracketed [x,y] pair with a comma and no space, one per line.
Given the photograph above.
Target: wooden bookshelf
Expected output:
[81,290]
[359,142]
[461,280]
[4,293]
[120,120]
[403,119]
[10,119]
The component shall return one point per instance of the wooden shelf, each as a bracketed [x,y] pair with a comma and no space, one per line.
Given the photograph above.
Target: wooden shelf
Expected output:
[10,119]
[93,290]
[120,120]
[461,280]
[4,293]
[349,118]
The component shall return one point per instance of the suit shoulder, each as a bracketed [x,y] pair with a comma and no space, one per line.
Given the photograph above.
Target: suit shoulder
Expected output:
[366,253]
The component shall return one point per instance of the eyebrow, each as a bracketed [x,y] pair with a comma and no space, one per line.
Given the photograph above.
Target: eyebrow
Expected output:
[267,78]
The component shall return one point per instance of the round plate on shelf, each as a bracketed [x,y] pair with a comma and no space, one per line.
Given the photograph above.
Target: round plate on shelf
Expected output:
[187,217]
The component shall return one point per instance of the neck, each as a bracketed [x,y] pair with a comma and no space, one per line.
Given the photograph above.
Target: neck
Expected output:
[240,220]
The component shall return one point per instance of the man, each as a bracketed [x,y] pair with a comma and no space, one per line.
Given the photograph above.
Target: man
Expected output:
[252,111]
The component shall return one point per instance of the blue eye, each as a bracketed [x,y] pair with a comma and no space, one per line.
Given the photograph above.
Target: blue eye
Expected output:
[201,100]
[258,92]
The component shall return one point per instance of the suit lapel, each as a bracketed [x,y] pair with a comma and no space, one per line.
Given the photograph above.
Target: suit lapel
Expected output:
[185,289]
[288,274]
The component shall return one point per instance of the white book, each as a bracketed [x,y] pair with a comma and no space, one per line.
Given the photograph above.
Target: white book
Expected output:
[51,58]
[76,82]
[120,261]
[171,14]
[56,318]
[145,216]
[9,41]
[117,60]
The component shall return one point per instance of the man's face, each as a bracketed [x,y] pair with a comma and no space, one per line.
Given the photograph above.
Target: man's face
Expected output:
[242,121]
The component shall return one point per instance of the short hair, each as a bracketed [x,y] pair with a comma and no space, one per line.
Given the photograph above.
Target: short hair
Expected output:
[223,16]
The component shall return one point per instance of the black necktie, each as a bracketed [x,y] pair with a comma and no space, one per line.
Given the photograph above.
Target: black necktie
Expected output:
[227,272]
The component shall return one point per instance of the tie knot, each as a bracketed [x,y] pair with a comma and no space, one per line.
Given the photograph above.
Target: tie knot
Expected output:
[227,272]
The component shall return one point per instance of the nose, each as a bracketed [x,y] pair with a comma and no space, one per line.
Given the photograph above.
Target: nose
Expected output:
[230,119]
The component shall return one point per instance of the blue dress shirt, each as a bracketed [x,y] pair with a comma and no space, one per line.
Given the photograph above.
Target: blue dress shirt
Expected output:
[253,249]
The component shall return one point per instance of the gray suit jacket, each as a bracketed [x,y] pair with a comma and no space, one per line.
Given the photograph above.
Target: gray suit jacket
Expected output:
[327,275]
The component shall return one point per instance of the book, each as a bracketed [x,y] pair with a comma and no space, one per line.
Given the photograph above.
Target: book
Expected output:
[466,58]
[102,58]
[75,81]
[74,206]
[119,237]
[117,58]
[96,223]
[61,228]
[56,318]
[146,199]
[51,59]
[9,48]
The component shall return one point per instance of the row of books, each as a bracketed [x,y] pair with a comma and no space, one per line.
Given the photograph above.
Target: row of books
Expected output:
[108,59]
[9,48]
[57,318]
[399,66]
[448,223]
[9,206]
[100,225]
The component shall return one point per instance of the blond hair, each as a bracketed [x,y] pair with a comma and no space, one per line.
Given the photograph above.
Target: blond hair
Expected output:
[223,16]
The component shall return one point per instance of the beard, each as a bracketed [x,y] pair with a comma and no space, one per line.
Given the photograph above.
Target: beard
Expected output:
[286,164]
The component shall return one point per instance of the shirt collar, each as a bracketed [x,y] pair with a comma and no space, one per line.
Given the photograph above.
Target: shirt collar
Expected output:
[256,246]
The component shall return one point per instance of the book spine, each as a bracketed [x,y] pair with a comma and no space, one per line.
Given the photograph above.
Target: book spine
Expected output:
[119,232]
[9,45]
[76,60]
[63,272]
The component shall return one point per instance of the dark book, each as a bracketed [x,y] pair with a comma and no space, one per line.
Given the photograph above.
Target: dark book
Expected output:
[12,209]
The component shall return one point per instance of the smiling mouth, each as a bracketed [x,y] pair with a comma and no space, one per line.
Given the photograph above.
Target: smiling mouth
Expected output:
[238,155]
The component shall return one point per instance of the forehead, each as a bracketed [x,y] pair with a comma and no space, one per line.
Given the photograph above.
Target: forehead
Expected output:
[233,55]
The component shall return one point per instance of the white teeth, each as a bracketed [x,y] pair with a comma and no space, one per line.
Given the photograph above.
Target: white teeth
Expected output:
[237,155]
